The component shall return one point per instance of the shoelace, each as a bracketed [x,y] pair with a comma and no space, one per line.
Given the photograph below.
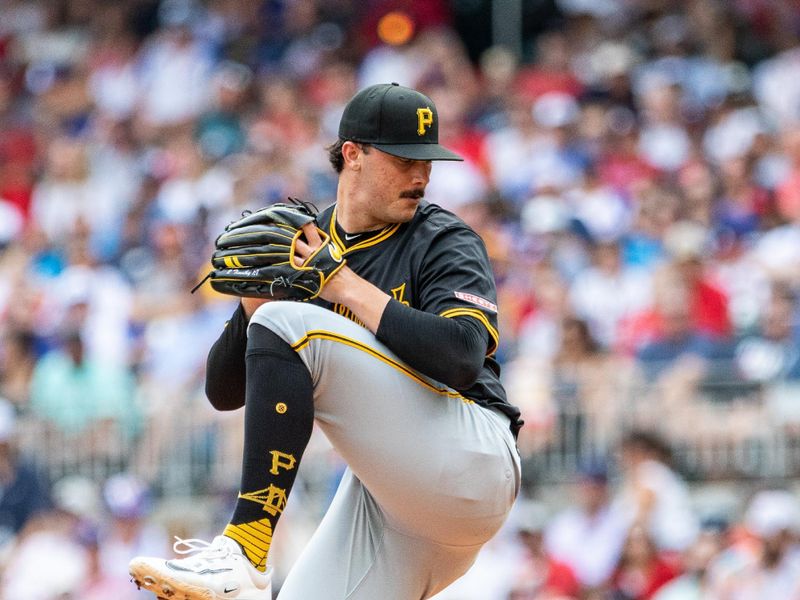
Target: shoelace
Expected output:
[203,548]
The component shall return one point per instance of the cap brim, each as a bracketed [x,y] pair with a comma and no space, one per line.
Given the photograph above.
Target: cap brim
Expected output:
[418,151]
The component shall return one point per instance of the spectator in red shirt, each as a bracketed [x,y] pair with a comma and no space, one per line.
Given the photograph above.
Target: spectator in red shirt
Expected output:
[788,190]
[642,570]
[541,577]
[687,244]
[551,72]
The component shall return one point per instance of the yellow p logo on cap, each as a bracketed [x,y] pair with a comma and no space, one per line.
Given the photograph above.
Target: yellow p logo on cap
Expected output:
[424,119]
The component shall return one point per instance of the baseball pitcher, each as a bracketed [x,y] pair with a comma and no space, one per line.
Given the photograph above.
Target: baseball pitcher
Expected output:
[376,319]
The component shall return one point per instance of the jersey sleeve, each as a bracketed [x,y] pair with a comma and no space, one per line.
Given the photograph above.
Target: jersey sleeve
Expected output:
[225,366]
[456,280]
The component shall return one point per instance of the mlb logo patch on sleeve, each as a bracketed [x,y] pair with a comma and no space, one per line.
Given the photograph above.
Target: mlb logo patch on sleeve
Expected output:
[477,300]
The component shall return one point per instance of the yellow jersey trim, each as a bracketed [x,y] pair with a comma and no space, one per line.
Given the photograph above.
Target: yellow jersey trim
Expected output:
[480,316]
[335,337]
[382,235]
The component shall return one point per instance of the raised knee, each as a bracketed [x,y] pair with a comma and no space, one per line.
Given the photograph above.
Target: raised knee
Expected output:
[290,320]
[281,318]
[268,309]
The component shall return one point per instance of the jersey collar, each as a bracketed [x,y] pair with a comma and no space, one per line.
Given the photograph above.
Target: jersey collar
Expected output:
[369,239]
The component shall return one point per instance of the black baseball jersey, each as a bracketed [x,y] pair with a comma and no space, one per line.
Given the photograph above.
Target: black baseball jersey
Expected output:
[437,264]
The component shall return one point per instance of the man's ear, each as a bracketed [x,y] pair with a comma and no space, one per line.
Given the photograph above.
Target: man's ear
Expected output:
[352,152]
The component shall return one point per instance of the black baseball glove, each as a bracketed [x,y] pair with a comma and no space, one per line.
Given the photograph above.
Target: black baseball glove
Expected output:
[254,256]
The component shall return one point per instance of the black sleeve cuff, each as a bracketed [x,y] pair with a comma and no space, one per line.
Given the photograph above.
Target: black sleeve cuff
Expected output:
[451,351]
[225,366]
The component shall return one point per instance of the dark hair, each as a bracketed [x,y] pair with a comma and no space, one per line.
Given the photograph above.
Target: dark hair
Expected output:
[335,156]
[25,339]
[649,441]
[591,344]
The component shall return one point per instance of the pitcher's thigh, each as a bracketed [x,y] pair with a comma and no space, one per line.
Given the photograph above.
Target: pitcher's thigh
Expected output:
[355,555]
[439,465]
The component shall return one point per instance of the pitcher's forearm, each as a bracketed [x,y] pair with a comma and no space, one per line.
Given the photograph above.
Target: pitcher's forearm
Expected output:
[356,293]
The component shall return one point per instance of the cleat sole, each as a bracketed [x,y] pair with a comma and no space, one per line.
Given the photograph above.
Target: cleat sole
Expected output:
[164,586]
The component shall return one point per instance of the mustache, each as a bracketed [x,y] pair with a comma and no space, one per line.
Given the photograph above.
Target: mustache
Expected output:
[415,194]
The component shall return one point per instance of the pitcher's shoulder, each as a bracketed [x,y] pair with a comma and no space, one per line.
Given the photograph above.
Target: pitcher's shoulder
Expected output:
[437,218]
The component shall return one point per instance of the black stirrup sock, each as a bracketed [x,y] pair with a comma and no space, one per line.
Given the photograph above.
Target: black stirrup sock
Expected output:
[279,418]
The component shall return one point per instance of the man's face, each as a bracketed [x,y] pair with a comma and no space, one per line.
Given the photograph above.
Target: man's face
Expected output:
[395,185]
[593,493]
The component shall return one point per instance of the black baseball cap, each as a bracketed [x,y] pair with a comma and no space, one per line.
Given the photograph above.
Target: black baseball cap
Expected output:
[396,120]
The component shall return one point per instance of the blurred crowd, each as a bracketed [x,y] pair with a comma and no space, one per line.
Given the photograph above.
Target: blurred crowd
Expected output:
[632,165]
[640,536]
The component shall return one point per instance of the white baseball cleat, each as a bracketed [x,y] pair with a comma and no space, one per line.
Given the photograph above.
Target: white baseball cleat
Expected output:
[215,571]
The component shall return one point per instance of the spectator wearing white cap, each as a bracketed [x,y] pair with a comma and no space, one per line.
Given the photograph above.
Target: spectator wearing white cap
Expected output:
[772,570]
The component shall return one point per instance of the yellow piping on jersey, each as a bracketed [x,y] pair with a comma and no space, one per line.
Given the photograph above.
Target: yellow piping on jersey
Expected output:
[475,314]
[385,233]
[335,337]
